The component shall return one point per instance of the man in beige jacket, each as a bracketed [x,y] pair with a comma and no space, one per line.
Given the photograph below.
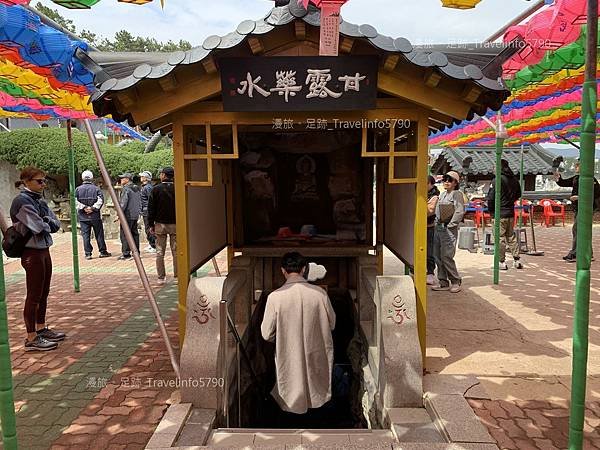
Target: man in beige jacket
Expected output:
[299,318]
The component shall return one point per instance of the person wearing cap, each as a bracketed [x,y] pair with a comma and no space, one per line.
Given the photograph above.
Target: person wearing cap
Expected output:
[147,186]
[510,192]
[573,182]
[449,212]
[89,201]
[131,204]
[161,219]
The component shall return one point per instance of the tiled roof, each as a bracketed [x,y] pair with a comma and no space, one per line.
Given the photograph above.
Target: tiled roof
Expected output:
[482,160]
[157,66]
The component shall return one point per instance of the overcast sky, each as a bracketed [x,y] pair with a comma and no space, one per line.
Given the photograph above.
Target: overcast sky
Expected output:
[420,21]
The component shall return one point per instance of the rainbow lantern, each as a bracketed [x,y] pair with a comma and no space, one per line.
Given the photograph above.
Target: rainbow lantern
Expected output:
[18,27]
[76,4]
[460,4]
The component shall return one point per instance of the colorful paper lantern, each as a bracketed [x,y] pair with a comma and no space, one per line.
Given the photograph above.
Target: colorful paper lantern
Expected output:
[136,2]
[49,48]
[76,4]
[18,26]
[460,4]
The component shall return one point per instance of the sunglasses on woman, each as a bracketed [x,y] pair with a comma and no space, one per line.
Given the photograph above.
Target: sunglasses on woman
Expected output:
[40,181]
[448,179]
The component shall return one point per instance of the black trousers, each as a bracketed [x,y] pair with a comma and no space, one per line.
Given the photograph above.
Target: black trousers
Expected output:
[430,244]
[133,226]
[86,234]
[38,274]
[150,237]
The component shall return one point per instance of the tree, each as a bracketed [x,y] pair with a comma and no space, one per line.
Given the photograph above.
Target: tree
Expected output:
[123,41]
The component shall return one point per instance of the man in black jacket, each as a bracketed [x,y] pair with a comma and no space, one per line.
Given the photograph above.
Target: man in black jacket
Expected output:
[510,192]
[574,183]
[161,219]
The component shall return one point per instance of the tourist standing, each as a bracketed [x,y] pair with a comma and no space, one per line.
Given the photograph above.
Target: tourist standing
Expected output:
[510,192]
[433,194]
[31,216]
[131,204]
[161,219]
[147,186]
[449,212]
[89,201]
[573,182]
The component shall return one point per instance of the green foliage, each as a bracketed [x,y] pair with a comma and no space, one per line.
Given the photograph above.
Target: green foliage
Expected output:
[123,41]
[47,149]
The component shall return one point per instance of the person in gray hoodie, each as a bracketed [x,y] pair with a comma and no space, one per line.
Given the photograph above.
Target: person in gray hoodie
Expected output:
[131,204]
[31,216]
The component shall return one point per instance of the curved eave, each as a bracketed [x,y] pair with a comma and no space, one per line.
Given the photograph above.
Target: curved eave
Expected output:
[493,94]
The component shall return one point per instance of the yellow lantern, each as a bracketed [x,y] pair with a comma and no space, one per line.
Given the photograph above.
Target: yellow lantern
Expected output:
[460,4]
[136,2]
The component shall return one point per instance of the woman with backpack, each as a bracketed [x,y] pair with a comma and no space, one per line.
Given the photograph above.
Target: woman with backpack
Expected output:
[33,219]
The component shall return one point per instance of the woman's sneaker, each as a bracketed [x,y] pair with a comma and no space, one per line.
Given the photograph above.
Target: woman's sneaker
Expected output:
[39,344]
[441,287]
[51,335]
[517,264]
[431,279]
[502,265]
[455,288]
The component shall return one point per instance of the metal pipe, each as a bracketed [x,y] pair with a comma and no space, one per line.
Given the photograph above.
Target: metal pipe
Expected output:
[74,244]
[585,212]
[7,404]
[216,266]
[225,368]
[132,246]
[521,17]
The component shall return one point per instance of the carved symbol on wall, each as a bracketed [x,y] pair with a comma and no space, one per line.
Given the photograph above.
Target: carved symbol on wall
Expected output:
[203,310]
[398,313]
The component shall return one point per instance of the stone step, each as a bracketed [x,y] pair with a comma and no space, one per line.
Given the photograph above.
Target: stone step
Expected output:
[256,438]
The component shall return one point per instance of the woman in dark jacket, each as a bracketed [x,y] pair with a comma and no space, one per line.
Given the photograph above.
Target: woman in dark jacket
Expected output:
[31,215]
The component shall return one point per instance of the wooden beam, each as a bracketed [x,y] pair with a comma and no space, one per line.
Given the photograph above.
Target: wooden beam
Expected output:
[418,92]
[391,62]
[471,93]
[300,29]
[168,83]
[162,123]
[209,65]
[154,107]
[440,118]
[432,78]
[256,45]
[346,45]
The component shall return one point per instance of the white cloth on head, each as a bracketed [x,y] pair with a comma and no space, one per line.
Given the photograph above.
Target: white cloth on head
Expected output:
[299,318]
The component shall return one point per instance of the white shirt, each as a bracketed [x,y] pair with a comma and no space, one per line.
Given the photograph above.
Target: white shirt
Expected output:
[299,318]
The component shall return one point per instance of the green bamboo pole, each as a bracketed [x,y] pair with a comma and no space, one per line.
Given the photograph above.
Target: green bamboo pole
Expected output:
[584,234]
[7,405]
[500,136]
[73,209]
[522,187]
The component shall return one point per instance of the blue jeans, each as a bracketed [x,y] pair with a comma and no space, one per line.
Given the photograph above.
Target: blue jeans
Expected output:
[86,234]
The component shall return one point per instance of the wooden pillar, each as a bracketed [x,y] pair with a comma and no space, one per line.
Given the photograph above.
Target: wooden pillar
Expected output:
[183,260]
[420,246]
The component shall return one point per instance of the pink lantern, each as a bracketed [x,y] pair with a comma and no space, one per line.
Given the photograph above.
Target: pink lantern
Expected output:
[15,2]
[317,3]
[575,11]
[550,30]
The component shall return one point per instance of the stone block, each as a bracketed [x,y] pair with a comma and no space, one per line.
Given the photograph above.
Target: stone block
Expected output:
[401,364]
[200,352]
[174,419]
[417,432]
[408,415]
[193,434]
[456,419]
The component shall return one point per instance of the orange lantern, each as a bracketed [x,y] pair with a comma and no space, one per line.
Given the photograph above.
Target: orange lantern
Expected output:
[460,4]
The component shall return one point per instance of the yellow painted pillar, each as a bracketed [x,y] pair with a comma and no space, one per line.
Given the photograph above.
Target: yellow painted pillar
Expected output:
[420,256]
[183,261]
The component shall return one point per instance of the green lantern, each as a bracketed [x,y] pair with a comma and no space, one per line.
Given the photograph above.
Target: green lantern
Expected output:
[76,4]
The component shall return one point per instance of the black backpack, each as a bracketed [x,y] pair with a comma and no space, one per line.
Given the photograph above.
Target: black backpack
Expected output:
[14,242]
[596,195]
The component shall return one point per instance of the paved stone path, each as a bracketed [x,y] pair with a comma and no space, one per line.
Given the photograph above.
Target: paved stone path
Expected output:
[515,338]
[108,384]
